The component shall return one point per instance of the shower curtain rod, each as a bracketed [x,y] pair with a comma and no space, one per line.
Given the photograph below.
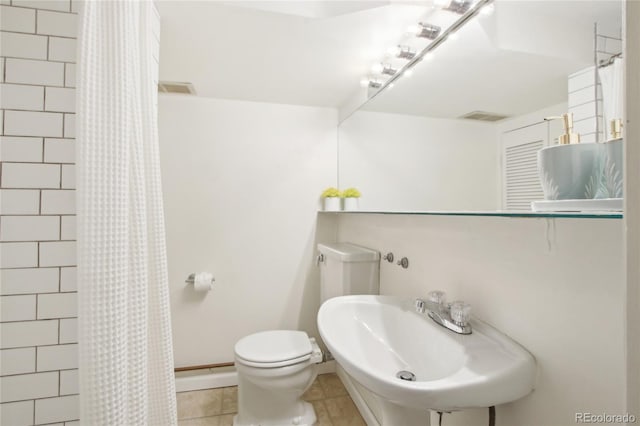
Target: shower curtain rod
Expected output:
[606,62]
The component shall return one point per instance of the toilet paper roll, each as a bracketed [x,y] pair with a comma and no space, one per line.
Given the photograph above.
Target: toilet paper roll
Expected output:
[203,281]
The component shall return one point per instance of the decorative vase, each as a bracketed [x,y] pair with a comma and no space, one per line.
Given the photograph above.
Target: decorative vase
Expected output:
[351,204]
[332,204]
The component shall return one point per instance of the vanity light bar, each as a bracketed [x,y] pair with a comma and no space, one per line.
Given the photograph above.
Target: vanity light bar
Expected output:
[472,9]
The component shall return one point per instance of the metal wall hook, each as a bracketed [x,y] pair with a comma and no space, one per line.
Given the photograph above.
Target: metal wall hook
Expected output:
[388,257]
[404,262]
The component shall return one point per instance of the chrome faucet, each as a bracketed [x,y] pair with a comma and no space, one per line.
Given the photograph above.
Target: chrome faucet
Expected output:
[454,316]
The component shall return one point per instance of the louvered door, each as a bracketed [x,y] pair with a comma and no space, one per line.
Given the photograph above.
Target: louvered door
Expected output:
[520,181]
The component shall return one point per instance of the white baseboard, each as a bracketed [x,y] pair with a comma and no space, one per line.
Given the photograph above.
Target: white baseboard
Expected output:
[210,378]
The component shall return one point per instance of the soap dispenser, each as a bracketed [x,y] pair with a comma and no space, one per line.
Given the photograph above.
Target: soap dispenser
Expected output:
[615,128]
[569,137]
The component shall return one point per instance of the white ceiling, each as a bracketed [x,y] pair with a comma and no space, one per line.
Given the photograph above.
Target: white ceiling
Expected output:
[316,52]
[294,52]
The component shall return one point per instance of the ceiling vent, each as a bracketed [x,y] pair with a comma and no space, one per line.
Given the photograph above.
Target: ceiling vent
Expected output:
[176,87]
[484,116]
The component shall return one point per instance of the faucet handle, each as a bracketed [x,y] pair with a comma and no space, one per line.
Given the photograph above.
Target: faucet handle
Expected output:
[460,313]
[420,306]
[438,297]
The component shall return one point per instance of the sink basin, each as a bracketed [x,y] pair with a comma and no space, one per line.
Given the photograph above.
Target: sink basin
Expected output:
[375,337]
[570,172]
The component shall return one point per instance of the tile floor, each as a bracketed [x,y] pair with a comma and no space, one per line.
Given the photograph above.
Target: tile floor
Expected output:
[216,407]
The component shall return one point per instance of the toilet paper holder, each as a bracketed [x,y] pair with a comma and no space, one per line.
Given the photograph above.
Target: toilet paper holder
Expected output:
[191,279]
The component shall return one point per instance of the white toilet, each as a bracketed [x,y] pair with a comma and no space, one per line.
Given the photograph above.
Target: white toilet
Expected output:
[276,367]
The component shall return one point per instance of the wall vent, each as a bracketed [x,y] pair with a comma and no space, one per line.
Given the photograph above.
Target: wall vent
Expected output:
[484,116]
[176,87]
[522,185]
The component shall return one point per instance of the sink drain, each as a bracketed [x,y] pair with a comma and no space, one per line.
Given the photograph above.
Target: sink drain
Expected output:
[406,375]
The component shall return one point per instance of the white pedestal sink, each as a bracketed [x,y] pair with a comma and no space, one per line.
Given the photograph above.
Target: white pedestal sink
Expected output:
[373,338]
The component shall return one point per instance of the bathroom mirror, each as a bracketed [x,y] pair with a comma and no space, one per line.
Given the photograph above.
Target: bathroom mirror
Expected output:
[449,137]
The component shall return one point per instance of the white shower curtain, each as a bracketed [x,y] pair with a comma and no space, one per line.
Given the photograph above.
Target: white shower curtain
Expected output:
[126,359]
[612,83]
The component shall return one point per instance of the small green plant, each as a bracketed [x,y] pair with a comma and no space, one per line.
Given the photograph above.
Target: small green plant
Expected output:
[351,193]
[331,193]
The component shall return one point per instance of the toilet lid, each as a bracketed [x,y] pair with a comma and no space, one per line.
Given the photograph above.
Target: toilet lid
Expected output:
[273,346]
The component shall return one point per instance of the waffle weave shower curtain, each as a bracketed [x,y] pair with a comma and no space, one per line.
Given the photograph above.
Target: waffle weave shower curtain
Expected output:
[126,359]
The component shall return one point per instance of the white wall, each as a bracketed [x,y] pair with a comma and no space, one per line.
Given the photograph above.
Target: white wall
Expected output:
[632,204]
[554,285]
[403,163]
[241,189]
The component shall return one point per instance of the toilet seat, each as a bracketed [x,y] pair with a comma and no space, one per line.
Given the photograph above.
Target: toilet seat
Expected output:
[276,348]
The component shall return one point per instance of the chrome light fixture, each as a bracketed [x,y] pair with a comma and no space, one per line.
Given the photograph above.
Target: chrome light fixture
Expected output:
[385,69]
[428,31]
[459,6]
[403,52]
[371,82]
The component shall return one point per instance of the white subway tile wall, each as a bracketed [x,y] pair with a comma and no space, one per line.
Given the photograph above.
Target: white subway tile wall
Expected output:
[585,102]
[38,328]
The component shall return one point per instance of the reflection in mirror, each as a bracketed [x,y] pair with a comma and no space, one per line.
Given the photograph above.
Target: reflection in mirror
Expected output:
[464,131]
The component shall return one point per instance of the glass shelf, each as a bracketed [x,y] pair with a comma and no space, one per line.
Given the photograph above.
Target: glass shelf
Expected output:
[565,215]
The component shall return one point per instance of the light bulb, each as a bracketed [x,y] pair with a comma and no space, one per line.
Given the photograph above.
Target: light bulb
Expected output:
[487,9]
[413,29]
[394,51]
[377,68]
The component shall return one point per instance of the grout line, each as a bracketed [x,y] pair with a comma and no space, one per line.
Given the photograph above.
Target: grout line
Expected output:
[41,267]
[33,84]
[43,319]
[41,110]
[47,397]
[53,61]
[38,35]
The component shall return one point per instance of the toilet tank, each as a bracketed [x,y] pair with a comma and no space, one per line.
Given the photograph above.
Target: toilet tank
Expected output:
[348,269]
